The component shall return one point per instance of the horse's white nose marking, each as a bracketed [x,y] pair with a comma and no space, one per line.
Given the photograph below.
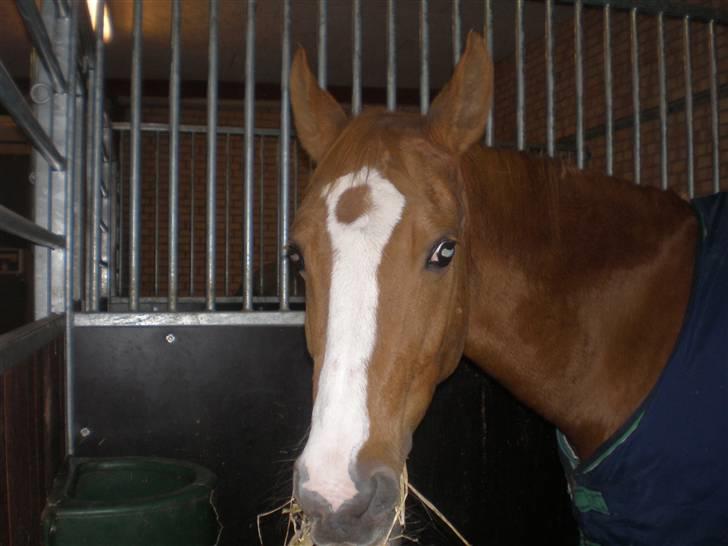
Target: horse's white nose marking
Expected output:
[340,421]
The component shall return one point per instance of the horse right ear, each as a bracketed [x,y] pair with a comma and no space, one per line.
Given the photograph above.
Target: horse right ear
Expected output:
[459,113]
[318,117]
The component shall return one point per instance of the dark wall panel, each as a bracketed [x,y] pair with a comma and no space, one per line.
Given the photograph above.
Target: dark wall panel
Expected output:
[238,401]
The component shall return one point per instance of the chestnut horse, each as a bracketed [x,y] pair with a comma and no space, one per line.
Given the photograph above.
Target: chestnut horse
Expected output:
[418,246]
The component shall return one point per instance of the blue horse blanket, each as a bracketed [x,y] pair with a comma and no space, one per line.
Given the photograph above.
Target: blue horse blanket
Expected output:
[663,478]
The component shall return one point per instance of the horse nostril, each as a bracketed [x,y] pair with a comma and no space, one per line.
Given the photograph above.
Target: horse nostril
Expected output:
[385,493]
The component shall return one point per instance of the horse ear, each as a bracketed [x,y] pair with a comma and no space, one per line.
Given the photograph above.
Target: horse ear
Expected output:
[318,117]
[460,111]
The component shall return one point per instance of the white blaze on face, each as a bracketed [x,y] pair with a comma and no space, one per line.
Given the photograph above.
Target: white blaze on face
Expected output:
[340,421]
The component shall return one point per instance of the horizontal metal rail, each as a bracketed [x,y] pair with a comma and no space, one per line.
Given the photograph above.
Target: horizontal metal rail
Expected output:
[19,344]
[12,222]
[219,318]
[186,128]
[12,99]
[41,42]
[671,8]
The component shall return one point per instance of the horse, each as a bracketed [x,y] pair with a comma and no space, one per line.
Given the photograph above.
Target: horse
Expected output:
[417,246]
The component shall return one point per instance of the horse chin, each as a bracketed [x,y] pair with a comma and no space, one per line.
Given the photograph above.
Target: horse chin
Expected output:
[322,537]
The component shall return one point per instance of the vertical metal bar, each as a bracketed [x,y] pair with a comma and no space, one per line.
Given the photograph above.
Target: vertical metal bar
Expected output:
[261,216]
[520,80]
[635,58]
[135,205]
[227,214]
[424,57]
[120,214]
[322,40]
[579,77]
[456,25]
[174,121]
[488,30]
[688,65]
[608,104]
[549,33]
[212,55]
[249,159]
[296,160]
[156,213]
[192,214]
[98,158]
[356,57]
[714,114]
[88,184]
[70,199]
[391,56]
[662,77]
[285,169]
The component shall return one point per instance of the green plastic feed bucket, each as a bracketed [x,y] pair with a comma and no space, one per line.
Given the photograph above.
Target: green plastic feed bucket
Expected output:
[131,501]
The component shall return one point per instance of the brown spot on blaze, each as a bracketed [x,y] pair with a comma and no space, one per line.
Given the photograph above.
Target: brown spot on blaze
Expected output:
[353,203]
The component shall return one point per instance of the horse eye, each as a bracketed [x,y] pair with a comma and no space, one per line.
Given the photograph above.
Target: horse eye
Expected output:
[442,254]
[295,256]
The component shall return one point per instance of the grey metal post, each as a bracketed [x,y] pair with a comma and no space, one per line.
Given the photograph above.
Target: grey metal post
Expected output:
[322,40]
[227,215]
[714,113]
[662,77]
[249,157]
[549,32]
[120,214]
[488,31]
[520,80]
[156,213]
[635,56]
[579,76]
[212,54]
[135,202]
[356,57]
[391,56]
[261,214]
[424,57]
[285,168]
[192,214]
[42,43]
[456,29]
[687,60]
[174,157]
[608,106]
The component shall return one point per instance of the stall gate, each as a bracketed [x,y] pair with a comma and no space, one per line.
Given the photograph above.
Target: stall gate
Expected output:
[162,284]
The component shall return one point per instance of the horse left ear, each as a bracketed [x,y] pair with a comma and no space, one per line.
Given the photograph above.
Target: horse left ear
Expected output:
[460,111]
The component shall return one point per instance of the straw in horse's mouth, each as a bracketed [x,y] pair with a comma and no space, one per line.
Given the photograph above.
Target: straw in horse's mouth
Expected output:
[299,528]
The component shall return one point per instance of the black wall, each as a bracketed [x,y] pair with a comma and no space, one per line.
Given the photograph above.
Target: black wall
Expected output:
[237,400]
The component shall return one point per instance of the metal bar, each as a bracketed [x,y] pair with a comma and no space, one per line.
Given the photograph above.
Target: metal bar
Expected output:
[635,59]
[151,127]
[296,181]
[488,31]
[249,153]
[192,216]
[98,158]
[120,216]
[261,216]
[714,113]
[212,54]
[424,57]
[608,102]
[227,215]
[356,57]
[579,77]
[687,60]
[12,222]
[135,205]
[285,168]
[12,100]
[456,31]
[262,318]
[520,80]
[662,77]
[391,56]
[61,8]
[549,36]
[19,344]
[323,10]
[72,135]
[671,8]
[174,157]
[41,42]
[156,214]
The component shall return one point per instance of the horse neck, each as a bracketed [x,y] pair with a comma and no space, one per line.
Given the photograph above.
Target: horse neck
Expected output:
[578,285]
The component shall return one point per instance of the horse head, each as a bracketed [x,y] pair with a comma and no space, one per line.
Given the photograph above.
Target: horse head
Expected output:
[381,240]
